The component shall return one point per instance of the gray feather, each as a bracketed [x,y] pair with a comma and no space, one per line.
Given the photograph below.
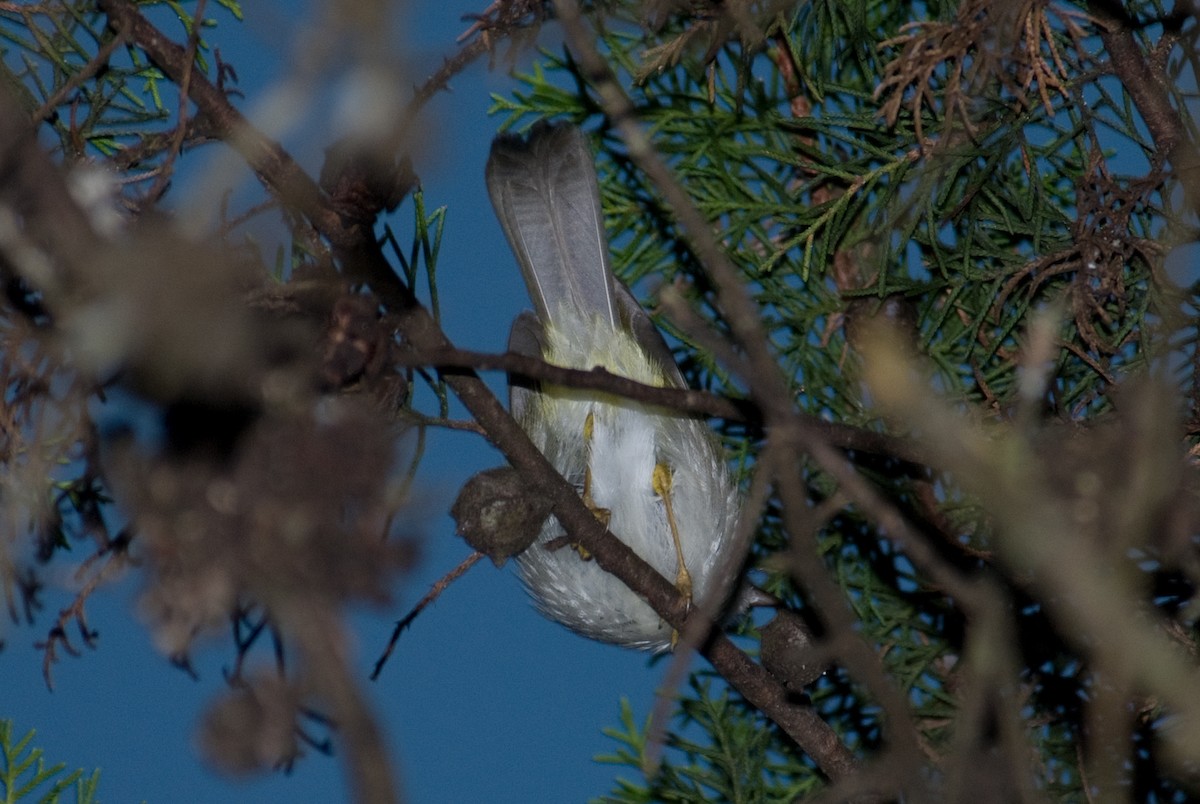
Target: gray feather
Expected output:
[546,196]
[525,338]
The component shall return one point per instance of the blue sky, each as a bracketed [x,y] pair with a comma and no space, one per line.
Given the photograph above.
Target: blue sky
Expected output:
[483,700]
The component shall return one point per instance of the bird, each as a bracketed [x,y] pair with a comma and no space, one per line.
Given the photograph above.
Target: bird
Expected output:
[657,478]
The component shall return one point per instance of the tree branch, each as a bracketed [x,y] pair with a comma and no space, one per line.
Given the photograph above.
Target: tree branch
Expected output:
[684,400]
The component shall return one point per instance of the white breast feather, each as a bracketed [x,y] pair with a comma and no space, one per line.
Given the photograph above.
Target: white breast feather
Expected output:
[628,440]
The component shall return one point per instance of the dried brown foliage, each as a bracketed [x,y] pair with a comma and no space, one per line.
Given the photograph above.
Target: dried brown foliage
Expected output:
[1100,250]
[299,509]
[707,26]
[989,52]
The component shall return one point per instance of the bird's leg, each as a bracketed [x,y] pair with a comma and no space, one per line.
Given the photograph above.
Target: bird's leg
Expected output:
[602,514]
[662,481]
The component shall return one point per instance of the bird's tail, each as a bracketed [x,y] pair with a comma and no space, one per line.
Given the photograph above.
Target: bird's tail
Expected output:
[546,196]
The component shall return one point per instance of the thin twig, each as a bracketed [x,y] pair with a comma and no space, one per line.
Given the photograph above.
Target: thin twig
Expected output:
[432,595]
[167,168]
[85,73]
[685,400]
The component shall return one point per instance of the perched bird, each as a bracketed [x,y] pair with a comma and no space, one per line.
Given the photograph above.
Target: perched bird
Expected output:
[657,478]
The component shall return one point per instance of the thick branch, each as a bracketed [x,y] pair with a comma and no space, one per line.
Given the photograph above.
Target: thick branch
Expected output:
[1149,94]
[32,188]
[321,637]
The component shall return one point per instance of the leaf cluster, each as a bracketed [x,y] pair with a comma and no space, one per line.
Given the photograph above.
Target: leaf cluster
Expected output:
[718,752]
[97,95]
[25,775]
